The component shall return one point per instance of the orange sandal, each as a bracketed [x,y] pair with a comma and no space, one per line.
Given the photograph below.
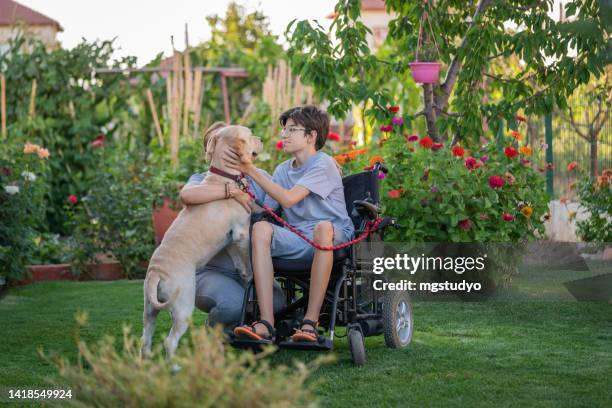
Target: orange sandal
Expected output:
[248,332]
[306,335]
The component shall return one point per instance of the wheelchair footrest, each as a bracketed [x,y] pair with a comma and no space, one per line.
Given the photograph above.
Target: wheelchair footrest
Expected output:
[324,344]
[254,345]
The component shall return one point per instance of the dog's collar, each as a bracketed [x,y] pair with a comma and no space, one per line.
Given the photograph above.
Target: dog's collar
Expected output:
[236,177]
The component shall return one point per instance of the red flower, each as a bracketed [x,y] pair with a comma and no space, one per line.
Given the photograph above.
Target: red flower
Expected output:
[279,145]
[458,151]
[520,118]
[386,128]
[496,181]
[333,137]
[72,199]
[426,142]
[437,146]
[97,143]
[465,224]
[396,193]
[510,152]
[507,217]
[471,163]
[101,137]
[393,109]
[412,138]
[572,165]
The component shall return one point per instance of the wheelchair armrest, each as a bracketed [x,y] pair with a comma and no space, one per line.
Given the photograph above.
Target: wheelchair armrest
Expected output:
[365,209]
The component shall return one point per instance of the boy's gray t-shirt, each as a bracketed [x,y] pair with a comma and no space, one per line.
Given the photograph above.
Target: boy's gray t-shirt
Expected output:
[222,261]
[325,202]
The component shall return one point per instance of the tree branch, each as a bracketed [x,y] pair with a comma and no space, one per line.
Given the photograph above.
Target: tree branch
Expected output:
[455,66]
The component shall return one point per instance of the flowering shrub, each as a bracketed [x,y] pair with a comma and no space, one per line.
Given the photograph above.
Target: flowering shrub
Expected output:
[114,217]
[596,198]
[455,194]
[23,185]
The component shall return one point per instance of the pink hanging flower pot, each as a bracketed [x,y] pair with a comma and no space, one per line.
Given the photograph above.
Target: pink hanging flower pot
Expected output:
[425,72]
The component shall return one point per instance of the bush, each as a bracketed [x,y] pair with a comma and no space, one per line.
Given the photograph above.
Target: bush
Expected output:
[443,194]
[114,217]
[208,376]
[23,186]
[595,197]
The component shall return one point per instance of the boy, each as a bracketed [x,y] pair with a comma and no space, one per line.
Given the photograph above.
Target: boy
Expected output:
[309,188]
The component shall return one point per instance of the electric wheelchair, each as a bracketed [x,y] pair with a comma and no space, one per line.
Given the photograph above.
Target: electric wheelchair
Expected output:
[350,300]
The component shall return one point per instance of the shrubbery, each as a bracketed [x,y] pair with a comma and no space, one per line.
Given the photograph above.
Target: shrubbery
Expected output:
[595,197]
[209,376]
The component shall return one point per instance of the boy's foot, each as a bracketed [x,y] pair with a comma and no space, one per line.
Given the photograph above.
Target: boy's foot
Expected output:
[307,332]
[261,331]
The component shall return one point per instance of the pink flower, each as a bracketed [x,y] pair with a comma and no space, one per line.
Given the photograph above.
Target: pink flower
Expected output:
[496,181]
[97,143]
[525,162]
[381,175]
[507,217]
[437,146]
[397,120]
[465,224]
[333,137]
[484,159]
[386,128]
[279,145]
[434,189]
[412,138]
[72,199]
[470,163]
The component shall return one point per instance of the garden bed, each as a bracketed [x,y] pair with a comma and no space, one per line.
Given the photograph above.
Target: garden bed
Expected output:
[106,271]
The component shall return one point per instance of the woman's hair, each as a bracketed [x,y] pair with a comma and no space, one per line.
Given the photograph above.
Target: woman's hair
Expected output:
[211,130]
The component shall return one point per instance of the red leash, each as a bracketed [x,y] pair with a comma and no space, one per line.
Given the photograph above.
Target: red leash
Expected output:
[371,226]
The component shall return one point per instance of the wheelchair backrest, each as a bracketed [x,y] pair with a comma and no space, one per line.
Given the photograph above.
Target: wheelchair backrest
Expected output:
[360,186]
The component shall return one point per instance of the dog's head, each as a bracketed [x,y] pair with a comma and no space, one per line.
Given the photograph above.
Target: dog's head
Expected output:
[238,138]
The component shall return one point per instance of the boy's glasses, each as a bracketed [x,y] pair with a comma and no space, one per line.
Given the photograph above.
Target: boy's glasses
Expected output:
[291,130]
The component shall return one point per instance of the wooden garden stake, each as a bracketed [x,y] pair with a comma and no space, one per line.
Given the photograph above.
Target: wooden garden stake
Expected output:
[160,135]
[3,104]
[32,106]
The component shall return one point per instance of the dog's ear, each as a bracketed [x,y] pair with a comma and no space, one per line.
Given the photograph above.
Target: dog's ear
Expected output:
[211,145]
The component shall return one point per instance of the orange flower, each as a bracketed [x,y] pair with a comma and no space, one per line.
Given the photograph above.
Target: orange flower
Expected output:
[602,181]
[30,148]
[527,211]
[525,150]
[375,159]
[43,153]
[340,159]
[572,165]
[516,135]
[607,173]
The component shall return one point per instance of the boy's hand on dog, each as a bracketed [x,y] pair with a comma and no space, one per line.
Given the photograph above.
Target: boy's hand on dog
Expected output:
[233,160]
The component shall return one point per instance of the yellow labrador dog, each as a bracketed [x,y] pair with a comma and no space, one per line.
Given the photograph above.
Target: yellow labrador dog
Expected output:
[198,233]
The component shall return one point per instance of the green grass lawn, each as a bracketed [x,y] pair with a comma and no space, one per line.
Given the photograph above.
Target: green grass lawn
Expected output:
[511,353]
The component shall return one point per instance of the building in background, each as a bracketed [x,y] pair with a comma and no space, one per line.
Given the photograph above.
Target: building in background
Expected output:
[16,18]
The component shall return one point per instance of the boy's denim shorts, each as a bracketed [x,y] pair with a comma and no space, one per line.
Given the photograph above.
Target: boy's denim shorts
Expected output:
[287,245]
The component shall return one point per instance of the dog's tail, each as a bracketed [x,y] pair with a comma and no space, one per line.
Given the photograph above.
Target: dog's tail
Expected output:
[151,291]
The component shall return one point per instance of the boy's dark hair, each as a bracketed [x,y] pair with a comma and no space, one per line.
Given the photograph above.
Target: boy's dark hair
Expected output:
[312,118]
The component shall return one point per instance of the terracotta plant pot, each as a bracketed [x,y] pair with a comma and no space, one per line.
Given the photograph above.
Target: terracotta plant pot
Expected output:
[42,273]
[105,271]
[162,219]
[425,72]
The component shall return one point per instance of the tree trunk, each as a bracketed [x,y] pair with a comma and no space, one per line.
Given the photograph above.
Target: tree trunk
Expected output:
[430,111]
[593,140]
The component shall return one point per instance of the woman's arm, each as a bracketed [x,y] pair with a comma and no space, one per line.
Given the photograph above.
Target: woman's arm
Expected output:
[205,193]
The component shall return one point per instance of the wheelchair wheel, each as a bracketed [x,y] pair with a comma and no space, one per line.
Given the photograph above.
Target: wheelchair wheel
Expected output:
[357,347]
[397,319]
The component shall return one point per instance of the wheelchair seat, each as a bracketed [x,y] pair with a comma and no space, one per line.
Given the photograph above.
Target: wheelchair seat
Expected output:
[299,265]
